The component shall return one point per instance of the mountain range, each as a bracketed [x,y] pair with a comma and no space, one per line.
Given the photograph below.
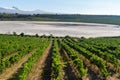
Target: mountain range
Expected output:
[17,10]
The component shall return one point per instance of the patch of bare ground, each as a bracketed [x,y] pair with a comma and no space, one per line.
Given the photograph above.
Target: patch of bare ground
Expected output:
[9,72]
[119,61]
[114,77]
[37,69]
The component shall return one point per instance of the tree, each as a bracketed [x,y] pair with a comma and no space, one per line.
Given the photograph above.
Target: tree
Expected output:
[14,33]
[22,34]
[36,35]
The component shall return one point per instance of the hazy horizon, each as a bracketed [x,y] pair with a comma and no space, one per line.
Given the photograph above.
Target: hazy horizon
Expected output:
[94,7]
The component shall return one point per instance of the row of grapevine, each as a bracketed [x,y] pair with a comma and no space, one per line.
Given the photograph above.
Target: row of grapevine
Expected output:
[92,57]
[68,58]
[11,44]
[25,44]
[110,58]
[76,60]
[6,62]
[57,65]
[109,45]
[28,65]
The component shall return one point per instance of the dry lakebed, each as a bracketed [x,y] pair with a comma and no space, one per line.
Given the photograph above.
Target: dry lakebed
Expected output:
[74,29]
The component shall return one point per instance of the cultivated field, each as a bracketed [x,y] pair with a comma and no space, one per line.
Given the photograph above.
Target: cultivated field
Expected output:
[60,28]
[59,58]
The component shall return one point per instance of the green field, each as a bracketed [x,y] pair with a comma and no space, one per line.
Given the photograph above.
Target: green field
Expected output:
[105,19]
[59,58]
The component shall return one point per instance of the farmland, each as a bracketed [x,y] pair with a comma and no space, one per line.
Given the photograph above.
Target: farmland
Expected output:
[104,19]
[24,57]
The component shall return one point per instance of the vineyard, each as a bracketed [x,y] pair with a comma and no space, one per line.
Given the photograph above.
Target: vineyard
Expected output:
[24,57]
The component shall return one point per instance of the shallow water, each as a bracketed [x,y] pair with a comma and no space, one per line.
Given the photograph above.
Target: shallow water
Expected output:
[59,28]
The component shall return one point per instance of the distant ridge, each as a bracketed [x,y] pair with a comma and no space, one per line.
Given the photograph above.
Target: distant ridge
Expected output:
[17,10]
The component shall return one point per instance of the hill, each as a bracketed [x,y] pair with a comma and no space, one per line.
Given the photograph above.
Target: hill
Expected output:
[14,10]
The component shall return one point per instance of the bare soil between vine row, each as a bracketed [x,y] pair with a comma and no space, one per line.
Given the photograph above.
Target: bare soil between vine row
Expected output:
[10,71]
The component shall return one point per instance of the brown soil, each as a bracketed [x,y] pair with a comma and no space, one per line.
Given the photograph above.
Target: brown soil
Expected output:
[9,72]
[114,77]
[37,69]
[119,61]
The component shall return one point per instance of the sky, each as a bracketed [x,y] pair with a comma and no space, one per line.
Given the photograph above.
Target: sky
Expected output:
[104,7]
